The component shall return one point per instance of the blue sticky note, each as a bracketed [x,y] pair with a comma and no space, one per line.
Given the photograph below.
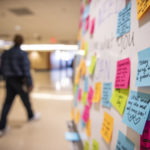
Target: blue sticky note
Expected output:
[137,110]
[124,143]
[76,96]
[72,136]
[148,118]
[86,12]
[124,19]
[83,27]
[82,123]
[106,96]
[143,71]
[86,86]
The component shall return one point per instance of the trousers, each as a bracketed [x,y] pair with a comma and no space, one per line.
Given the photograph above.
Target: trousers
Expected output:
[14,86]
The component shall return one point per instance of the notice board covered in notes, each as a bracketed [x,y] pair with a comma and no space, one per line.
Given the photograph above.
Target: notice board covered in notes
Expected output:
[112,90]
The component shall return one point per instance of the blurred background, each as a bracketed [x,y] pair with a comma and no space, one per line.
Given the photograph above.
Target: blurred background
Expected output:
[50,29]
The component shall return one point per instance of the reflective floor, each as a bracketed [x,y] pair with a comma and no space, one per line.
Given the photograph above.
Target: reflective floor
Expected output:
[51,97]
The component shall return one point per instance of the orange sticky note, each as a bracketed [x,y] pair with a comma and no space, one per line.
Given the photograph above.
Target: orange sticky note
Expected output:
[88,128]
[142,6]
[77,76]
[98,92]
[77,118]
[107,127]
[72,115]
[83,68]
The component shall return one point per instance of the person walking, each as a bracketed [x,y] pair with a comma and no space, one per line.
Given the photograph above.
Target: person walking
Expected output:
[15,67]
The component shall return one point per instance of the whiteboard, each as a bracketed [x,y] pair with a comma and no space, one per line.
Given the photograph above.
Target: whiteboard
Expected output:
[109,50]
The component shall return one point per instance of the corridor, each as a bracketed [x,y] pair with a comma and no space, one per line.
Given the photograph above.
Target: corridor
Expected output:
[51,97]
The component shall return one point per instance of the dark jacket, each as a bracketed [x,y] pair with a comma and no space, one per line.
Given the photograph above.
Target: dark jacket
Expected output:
[15,63]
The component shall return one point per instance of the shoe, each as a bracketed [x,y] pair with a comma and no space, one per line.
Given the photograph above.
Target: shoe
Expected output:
[35,117]
[3,131]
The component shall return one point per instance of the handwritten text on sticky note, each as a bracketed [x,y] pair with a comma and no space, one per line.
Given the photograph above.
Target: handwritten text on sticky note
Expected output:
[142,6]
[107,91]
[123,74]
[137,111]
[107,127]
[143,71]
[124,143]
[119,99]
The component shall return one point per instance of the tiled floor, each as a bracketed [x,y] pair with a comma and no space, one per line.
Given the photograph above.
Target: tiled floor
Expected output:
[51,97]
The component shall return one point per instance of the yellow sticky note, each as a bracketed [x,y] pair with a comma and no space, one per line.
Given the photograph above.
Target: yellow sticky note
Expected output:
[82,44]
[107,127]
[72,114]
[77,118]
[142,6]
[95,145]
[86,48]
[88,128]
[83,68]
[86,145]
[77,75]
[119,99]
[97,93]
[84,98]
[79,35]
[92,65]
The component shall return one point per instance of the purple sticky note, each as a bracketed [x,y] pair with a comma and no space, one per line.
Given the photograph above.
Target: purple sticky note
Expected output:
[145,137]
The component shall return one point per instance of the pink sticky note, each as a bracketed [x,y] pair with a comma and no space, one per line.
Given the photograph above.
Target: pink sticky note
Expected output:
[87,23]
[80,23]
[89,1]
[79,94]
[82,9]
[86,112]
[92,26]
[90,96]
[123,74]
[145,137]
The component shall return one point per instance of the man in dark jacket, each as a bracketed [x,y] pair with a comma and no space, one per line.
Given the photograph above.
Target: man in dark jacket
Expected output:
[16,71]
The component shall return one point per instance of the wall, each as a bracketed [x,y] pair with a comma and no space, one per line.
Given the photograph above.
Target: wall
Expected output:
[108,50]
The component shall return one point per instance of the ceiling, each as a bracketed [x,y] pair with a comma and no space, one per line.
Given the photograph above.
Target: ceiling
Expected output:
[40,20]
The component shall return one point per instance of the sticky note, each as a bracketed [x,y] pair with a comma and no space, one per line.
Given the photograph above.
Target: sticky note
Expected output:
[119,99]
[75,88]
[136,111]
[95,145]
[92,26]
[79,94]
[84,98]
[145,137]
[79,35]
[107,127]
[86,48]
[88,128]
[124,143]
[92,65]
[124,19]
[106,95]
[97,92]
[72,114]
[86,12]
[142,6]
[122,74]
[143,70]
[77,117]
[86,145]
[82,123]
[76,96]
[83,67]
[86,85]
[72,136]
[77,75]
[87,23]
[90,96]
[86,113]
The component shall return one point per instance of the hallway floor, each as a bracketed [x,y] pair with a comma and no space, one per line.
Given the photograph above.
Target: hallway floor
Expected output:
[51,97]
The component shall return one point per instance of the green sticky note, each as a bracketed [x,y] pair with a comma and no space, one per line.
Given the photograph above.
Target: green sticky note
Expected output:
[86,48]
[92,66]
[75,88]
[84,97]
[119,99]
[86,145]
[95,145]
